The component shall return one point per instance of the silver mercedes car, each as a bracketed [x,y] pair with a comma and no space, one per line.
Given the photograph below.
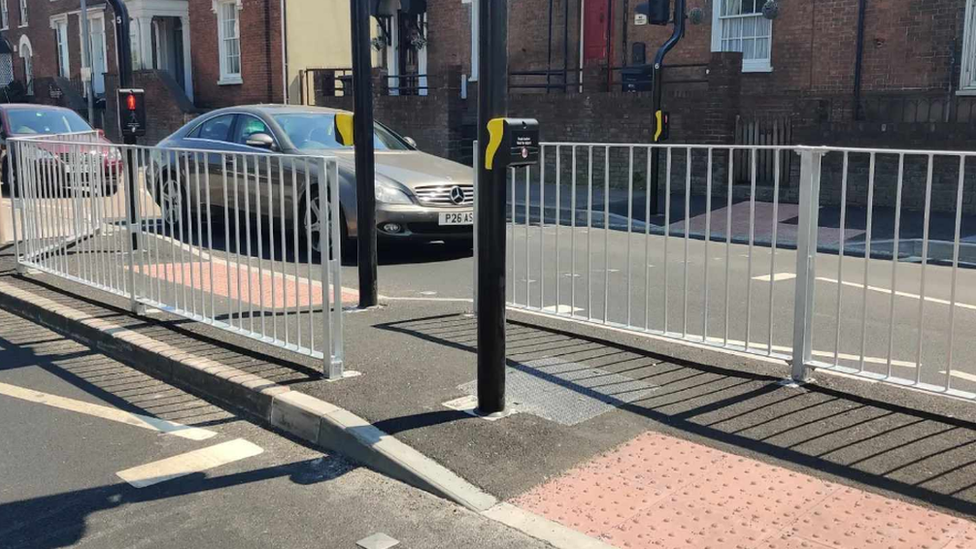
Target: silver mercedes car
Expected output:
[419,196]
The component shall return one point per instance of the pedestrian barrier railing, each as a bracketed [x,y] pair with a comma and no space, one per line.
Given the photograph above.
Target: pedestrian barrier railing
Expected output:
[237,240]
[858,265]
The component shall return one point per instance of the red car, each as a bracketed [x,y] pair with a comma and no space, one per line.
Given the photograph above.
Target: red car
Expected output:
[87,150]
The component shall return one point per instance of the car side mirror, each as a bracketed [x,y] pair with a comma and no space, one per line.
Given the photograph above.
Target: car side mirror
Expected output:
[410,142]
[260,141]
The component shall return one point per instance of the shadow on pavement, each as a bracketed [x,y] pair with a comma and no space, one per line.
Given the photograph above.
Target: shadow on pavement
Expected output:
[60,520]
[881,441]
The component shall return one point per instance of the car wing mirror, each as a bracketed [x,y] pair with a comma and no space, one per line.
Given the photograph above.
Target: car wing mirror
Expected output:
[410,142]
[260,141]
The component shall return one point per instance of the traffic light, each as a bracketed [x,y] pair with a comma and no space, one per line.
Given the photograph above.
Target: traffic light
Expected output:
[132,112]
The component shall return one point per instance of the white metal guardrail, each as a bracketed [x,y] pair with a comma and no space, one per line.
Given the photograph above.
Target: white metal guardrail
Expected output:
[832,266]
[226,238]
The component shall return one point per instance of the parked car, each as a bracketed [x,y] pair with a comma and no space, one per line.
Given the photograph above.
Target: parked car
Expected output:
[418,196]
[88,147]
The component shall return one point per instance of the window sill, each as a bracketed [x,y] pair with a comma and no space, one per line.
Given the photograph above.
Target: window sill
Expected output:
[230,81]
[966,91]
[23,26]
[758,67]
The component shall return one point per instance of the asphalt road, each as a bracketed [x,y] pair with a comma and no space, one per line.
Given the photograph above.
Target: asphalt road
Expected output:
[89,444]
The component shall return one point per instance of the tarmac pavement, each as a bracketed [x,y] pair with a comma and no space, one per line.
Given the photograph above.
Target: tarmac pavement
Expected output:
[100,455]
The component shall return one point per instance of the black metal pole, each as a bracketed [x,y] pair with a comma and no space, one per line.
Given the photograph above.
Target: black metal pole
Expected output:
[492,103]
[565,46]
[549,51]
[657,89]
[363,131]
[859,57]
[123,46]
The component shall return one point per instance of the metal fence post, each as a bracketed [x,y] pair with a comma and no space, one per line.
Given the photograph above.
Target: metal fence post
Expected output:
[330,253]
[474,203]
[806,259]
[130,176]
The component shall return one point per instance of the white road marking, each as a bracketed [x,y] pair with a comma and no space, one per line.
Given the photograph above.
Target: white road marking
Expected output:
[779,277]
[105,412]
[562,309]
[900,294]
[961,375]
[434,299]
[191,462]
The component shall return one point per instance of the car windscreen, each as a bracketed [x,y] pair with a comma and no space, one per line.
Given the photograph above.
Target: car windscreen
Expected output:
[316,131]
[45,121]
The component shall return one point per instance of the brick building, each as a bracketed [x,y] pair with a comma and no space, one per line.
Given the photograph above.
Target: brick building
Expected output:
[190,55]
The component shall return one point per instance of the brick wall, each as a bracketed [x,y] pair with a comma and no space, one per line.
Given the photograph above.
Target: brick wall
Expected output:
[260,55]
[434,121]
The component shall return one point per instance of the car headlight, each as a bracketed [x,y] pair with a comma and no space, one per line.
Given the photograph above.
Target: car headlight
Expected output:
[389,193]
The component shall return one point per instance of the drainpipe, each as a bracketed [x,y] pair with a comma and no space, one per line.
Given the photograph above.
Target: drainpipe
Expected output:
[284,54]
[267,50]
[549,51]
[582,6]
[565,46]
[86,62]
[859,57]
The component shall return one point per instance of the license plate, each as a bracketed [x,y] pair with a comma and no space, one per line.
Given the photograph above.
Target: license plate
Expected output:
[457,218]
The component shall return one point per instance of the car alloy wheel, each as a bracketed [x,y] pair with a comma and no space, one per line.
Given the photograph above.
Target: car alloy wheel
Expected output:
[313,224]
[171,201]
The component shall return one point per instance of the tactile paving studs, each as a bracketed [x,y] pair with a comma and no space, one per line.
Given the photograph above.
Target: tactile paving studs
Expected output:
[853,518]
[662,492]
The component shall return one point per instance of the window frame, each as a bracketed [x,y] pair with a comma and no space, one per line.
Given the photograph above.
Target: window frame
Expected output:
[4,15]
[718,22]
[967,69]
[24,14]
[226,76]
[61,41]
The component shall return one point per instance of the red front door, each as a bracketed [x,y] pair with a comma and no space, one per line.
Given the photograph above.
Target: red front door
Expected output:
[596,30]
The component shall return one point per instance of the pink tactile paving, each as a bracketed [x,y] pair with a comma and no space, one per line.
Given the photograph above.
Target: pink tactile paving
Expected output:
[230,281]
[657,491]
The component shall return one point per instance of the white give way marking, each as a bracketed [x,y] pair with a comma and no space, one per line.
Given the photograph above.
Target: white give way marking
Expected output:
[191,462]
[779,277]
[105,412]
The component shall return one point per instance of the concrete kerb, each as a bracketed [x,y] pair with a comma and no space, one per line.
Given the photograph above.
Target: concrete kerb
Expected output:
[313,420]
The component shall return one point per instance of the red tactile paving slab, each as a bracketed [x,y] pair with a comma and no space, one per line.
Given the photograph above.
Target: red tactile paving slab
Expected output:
[253,285]
[657,491]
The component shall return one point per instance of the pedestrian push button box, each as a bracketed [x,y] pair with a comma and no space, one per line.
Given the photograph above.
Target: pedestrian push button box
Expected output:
[512,142]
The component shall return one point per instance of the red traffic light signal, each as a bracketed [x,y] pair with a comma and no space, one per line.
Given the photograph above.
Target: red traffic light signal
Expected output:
[132,112]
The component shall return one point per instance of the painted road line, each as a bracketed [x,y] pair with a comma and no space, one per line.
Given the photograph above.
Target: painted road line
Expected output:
[779,277]
[106,412]
[196,461]
[900,294]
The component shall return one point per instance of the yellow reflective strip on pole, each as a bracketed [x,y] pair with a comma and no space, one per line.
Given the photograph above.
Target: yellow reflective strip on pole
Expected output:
[496,130]
[659,117]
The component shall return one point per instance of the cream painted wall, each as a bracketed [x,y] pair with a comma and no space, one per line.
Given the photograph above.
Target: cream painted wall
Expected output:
[318,38]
